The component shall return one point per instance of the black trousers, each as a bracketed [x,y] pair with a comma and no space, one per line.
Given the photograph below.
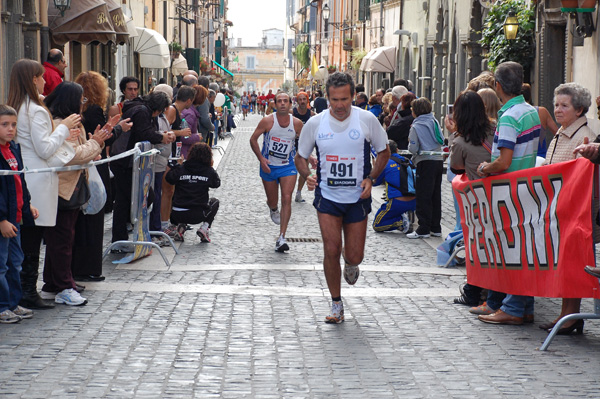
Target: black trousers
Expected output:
[198,215]
[31,241]
[429,196]
[122,205]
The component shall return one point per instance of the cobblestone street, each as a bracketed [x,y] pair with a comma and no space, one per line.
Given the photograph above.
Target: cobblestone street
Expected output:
[235,319]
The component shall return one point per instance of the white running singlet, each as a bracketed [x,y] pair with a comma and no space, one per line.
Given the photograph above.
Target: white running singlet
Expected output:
[279,143]
[344,158]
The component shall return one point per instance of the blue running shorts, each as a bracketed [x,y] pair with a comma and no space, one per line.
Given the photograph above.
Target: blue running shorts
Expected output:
[278,172]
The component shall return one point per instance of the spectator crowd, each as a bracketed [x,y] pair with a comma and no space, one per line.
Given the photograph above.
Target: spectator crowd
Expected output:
[492,128]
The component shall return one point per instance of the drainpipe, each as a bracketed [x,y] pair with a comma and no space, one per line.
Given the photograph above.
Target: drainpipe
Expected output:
[44,30]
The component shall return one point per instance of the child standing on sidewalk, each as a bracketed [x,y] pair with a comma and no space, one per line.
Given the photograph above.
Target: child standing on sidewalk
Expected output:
[14,208]
[191,203]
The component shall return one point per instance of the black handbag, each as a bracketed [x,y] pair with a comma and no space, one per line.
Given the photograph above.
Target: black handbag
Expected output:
[80,196]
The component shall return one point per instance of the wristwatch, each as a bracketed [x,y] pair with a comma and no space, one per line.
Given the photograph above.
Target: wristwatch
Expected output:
[371,178]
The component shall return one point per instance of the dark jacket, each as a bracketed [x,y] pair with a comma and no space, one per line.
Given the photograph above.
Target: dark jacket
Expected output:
[400,128]
[192,181]
[145,127]
[8,191]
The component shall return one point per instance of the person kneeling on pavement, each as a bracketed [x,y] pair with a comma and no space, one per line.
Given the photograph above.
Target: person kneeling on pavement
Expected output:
[191,203]
[399,177]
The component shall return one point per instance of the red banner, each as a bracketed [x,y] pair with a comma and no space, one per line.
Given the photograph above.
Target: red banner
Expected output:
[530,232]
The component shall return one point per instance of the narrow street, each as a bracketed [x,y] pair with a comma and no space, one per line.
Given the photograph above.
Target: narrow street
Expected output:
[235,319]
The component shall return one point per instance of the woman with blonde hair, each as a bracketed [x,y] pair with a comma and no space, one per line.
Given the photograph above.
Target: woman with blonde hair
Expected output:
[40,140]
[491,102]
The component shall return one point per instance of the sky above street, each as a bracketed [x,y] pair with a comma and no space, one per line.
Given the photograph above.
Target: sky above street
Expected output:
[251,17]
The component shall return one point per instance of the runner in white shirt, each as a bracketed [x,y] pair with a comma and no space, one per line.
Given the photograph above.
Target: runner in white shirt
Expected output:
[342,135]
[280,131]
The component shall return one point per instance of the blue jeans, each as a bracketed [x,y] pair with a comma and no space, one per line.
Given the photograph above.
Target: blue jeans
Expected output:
[495,298]
[517,305]
[11,258]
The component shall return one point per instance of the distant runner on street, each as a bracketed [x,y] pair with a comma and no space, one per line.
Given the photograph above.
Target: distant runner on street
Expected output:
[277,168]
[342,135]
[303,113]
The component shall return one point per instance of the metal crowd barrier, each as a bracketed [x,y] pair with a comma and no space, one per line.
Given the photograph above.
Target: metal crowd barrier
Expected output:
[142,181]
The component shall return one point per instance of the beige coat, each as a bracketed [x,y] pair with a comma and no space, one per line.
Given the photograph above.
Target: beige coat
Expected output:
[85,151]
[566,139]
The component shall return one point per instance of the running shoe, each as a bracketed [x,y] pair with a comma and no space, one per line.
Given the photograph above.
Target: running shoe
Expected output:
[405,223]
[180,231]
[275,217]
[70,297]
[160,241]
[482,309]
[351,273]
[171,230]
[436,234]
[337,313]
[47,295]
[8,317]
[202,232]
[281,245]
[299,197]
[414,234]
[22,312]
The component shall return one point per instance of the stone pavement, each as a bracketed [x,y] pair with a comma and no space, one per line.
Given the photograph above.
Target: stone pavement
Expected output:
[235,319]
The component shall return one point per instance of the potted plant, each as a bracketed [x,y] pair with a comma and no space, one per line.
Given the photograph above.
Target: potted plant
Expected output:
[348,44]
[203,65]
[331,68]
[175,49]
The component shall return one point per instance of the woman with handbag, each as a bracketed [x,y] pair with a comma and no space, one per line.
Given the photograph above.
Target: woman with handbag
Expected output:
[42,145]
[73,193]
[86,264]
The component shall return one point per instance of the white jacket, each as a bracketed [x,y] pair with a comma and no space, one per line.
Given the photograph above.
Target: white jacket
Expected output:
[38,143]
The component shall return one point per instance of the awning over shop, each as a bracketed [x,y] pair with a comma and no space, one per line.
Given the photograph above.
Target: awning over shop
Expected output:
[381,59]
[179,65]
[223,68]
[118,21]
[85,22]
[152,48]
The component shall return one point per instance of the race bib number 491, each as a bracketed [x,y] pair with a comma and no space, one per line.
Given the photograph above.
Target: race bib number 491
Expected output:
[341,170]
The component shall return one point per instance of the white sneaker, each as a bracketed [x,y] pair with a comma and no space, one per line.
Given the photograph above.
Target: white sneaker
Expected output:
[299,197]
[405,222]
[202,232]
[281,245]
[351,273]
[275,217]
[414,234]
[8,317]
[22,312]
[436,234]
[337,313]
[48,295]
[70,297]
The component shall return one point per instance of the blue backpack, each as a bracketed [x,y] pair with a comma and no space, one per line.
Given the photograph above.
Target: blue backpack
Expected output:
[408,173]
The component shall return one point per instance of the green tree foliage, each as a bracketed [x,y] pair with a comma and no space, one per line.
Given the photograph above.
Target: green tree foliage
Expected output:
[302,54]
[500,49]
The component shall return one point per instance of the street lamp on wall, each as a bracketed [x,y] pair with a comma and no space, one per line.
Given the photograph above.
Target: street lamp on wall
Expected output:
[62,6]
[511,26]
[325,13]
